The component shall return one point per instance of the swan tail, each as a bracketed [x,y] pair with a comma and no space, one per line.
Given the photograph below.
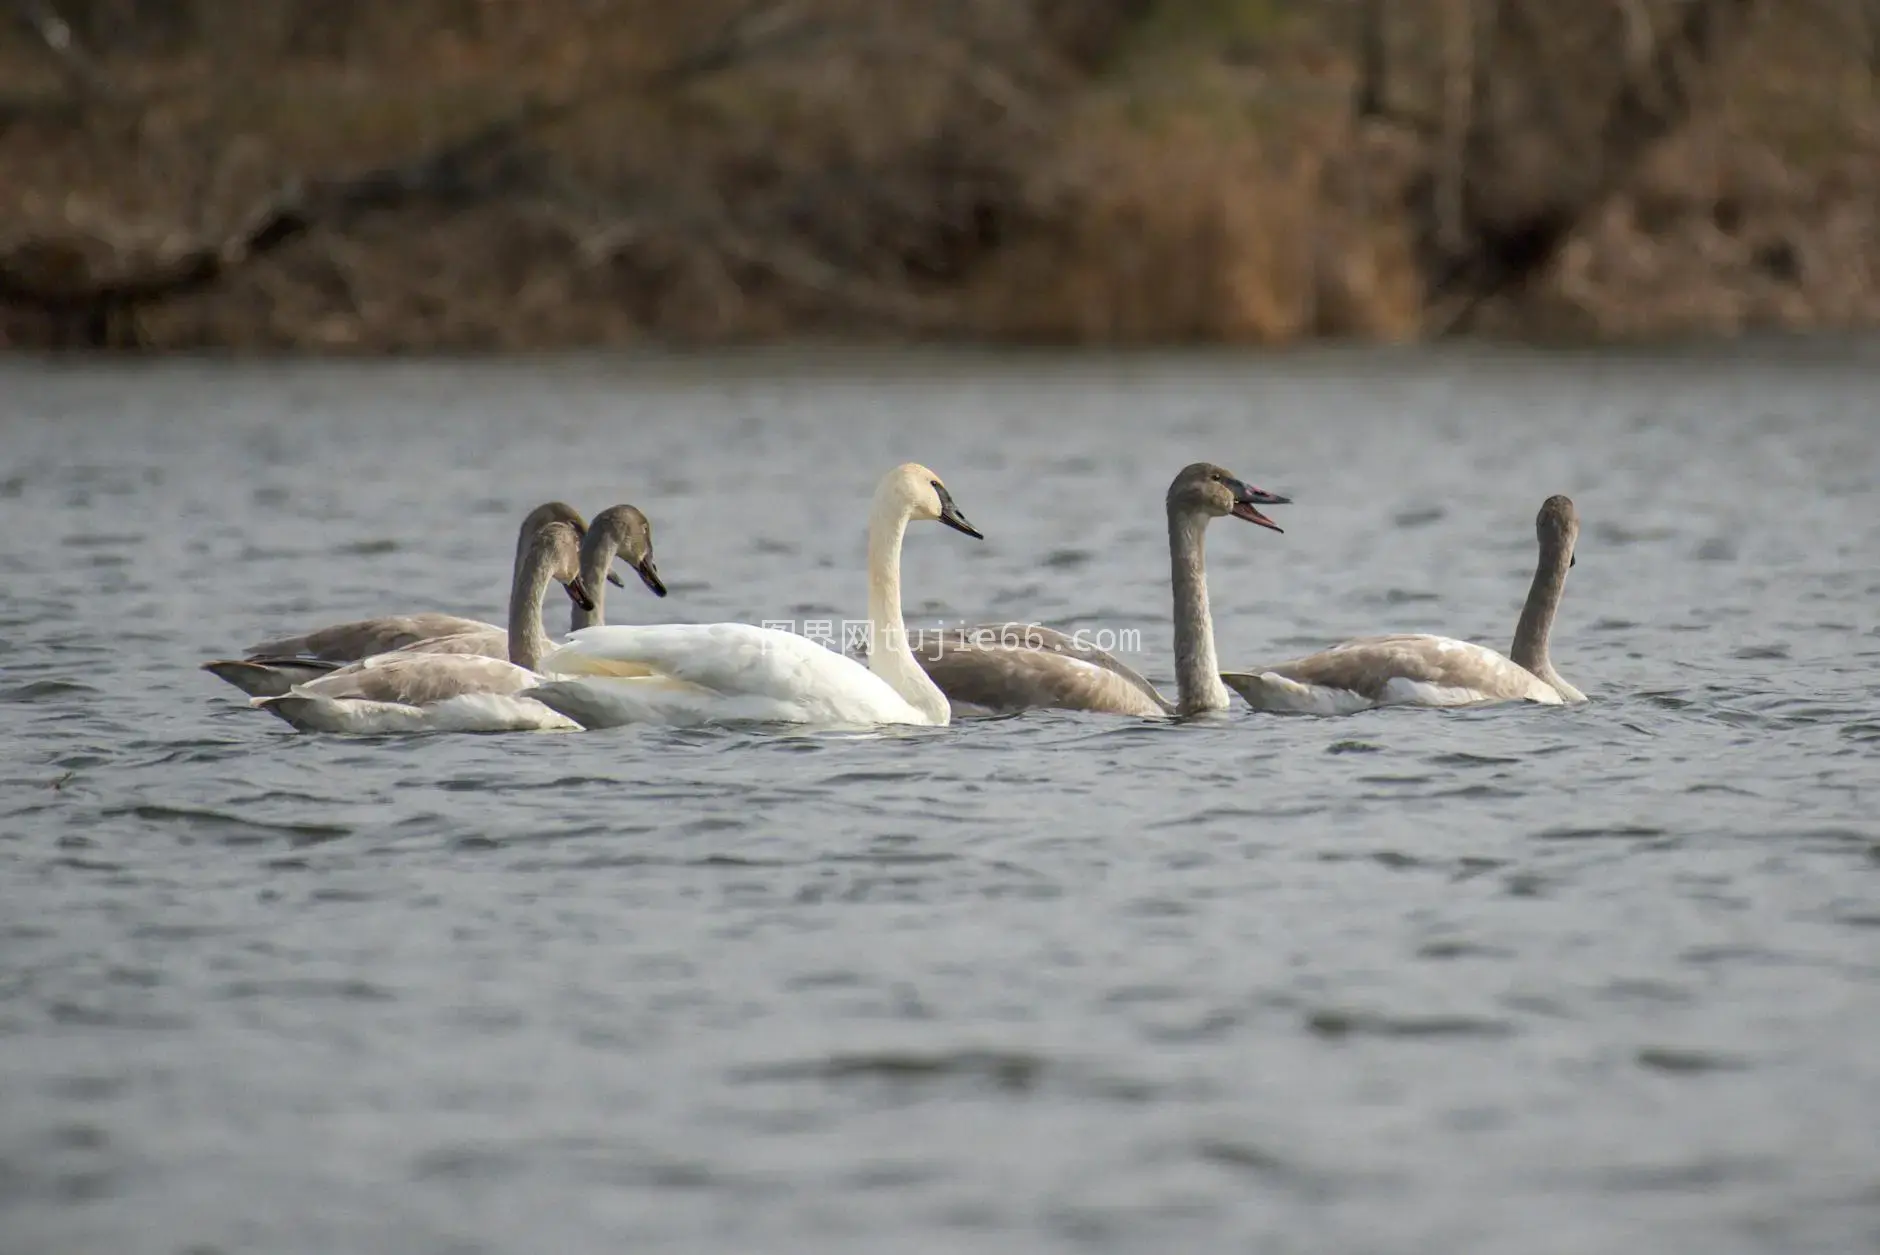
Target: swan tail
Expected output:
[267,677]
[1270,691]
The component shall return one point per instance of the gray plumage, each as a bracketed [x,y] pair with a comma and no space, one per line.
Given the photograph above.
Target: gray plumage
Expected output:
[1416,669]
[1001,667]
[387,690]
[1016,666]
[618,531]
[272,667]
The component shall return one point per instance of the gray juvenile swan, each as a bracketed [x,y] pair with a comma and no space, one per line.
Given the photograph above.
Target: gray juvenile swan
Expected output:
[620,531]
[1018,666]
[1414,670]
[418,691]
[272,667]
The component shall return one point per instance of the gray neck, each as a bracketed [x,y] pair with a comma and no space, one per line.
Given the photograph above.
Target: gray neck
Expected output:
[528,640]
[1537,616]
[579,618]
[534,522]
[597,557]
[1197,671]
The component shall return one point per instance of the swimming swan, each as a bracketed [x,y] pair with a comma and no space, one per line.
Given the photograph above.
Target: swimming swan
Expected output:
[1017,666]
[272,667]
[693,673]
[418,691]
[1415,670]
[618,531]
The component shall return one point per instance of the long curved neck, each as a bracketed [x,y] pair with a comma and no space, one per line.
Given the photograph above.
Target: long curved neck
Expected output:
[1537,617]
[528,641]
[888,654]
[537,519]
[1197,671]
[597,556]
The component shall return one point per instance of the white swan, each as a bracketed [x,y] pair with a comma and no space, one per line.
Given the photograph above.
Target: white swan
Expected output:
[1019,666]
[693,673]
[274,666]
[419,691]
[1414,670]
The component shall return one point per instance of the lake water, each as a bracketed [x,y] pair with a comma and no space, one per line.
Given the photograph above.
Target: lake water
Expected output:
[1507,980]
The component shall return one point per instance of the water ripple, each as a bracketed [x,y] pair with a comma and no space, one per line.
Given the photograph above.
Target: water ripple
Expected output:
[1033,982]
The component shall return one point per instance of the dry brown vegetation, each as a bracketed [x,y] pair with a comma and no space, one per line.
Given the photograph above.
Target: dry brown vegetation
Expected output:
[470,174]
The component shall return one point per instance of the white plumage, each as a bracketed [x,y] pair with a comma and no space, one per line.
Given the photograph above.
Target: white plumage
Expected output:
[691,673]
[737,673]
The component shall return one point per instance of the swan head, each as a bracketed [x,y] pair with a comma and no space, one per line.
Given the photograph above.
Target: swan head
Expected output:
[919,494]
[1557,527]
[555,512]
[558,548]
[1208,491]
[623,532]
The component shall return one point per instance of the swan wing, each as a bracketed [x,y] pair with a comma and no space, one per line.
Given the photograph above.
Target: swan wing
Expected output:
[1412,670]
[271,675]
[486,642]
[346,642]
[419,679]
[727,658]
[469,712]
[607,701]
[713,672]
[268,677]
[1016,666]
[1038,637]
[418,692]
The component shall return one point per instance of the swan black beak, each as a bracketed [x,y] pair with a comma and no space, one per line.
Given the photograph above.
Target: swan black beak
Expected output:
[1573,561]
[578,593]
[1248,499]
[951,516]
[649,575]
[615,580]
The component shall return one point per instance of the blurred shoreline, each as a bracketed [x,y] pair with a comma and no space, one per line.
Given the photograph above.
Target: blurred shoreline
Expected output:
[474,176]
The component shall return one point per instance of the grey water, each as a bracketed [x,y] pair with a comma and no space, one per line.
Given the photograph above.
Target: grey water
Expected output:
[1505,980]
